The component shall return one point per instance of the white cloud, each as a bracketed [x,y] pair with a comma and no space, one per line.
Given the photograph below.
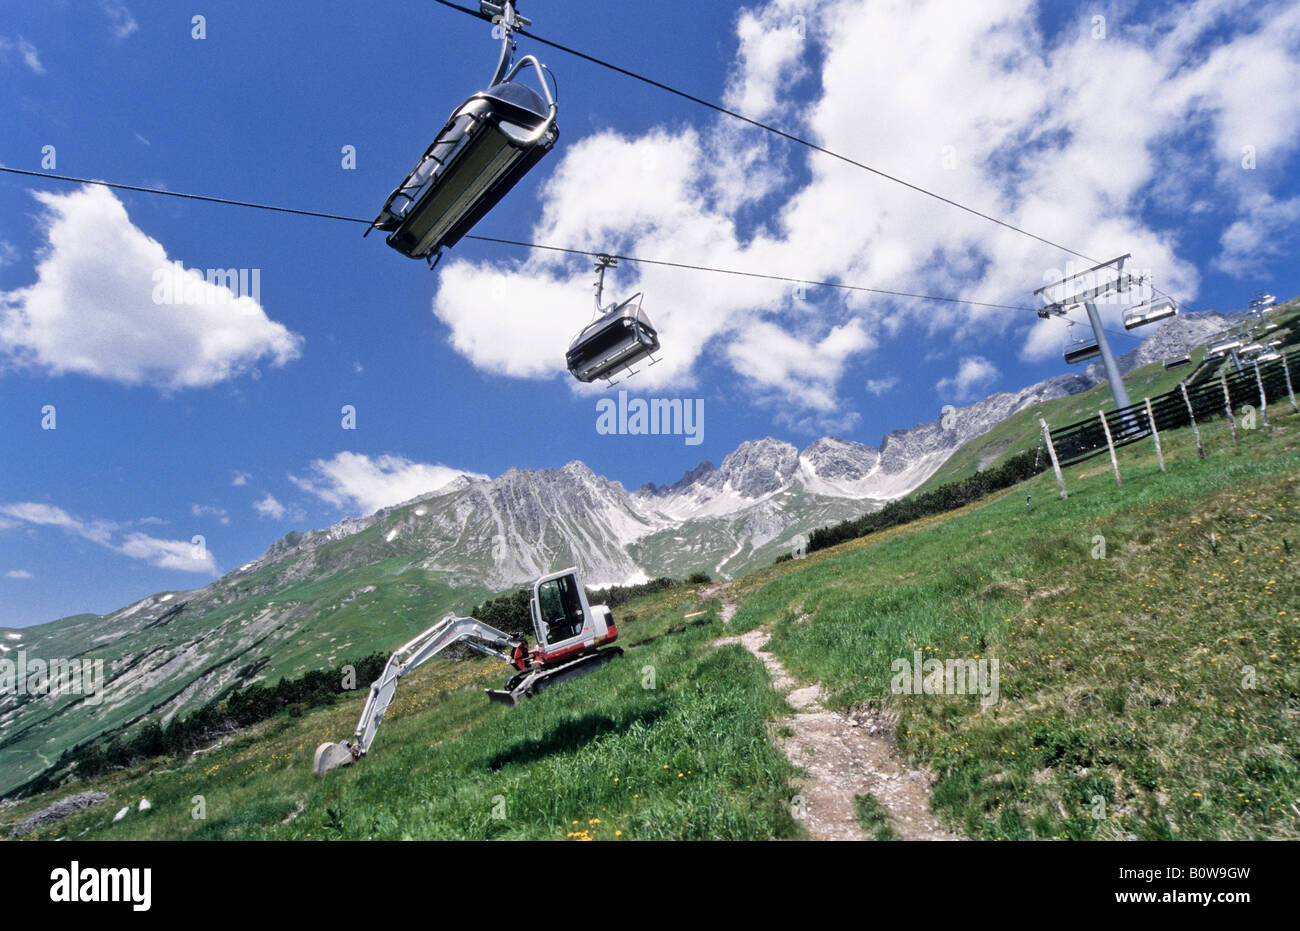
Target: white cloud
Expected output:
[270,507]
[30,56]
[973,374]
[47,515]
[180,555]
[208,510]
[18,574]
[240,479]
[92,309]
[1066,136]
[357,482]
[119,17]
[879,386]
[798,369]
[1266,232]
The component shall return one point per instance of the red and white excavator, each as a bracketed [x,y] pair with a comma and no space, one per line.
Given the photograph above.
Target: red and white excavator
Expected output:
[573,639]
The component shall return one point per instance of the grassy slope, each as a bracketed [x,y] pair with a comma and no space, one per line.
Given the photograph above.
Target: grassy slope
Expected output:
[1121,679]
[594,757]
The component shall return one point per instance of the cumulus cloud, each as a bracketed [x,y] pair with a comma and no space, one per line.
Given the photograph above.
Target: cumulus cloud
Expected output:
[357,482]
[18,574]
[99,307]
[1069,136]
[879,386]
[1266,232]
[26,51]
[181,555]
[240,479]
[973,374]
[797,373]
[268,506]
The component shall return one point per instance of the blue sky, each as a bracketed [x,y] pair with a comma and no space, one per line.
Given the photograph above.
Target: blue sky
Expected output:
[226,422]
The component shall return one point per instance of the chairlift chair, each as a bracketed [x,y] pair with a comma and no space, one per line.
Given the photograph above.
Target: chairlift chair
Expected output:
[620,336]
[1178,362]
[1224,346]
[1149,312]
[1081,350]
[487,146]
[1261,301]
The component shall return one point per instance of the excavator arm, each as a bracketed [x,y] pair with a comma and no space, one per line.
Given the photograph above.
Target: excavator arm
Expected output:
[450,630]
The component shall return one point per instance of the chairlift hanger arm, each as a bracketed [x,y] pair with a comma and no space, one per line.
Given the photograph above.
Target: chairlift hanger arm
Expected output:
[603,261]
[504,16]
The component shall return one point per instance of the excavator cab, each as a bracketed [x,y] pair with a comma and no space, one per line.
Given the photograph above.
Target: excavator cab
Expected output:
[563,620]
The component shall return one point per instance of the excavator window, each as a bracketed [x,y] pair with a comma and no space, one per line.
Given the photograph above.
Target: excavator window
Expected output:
[561,608]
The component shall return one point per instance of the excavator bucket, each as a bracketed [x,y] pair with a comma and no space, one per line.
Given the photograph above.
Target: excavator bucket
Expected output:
[330,756]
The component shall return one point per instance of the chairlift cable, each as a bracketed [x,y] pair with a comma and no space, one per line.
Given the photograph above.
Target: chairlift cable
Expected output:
[514,242]
[203,197]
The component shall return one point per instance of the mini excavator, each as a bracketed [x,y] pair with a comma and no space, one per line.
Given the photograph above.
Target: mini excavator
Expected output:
[573,639]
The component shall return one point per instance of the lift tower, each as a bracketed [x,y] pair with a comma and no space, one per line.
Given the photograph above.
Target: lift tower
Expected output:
[1061,298]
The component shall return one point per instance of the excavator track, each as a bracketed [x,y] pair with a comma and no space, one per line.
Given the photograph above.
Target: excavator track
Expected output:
[532,683]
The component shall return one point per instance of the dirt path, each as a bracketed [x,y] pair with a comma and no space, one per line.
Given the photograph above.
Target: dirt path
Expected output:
[845,754]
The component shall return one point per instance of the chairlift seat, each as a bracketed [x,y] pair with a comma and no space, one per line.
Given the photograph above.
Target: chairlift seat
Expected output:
[1082,352]
[1177,363]
[616,340]
[1150,312]
[489,144]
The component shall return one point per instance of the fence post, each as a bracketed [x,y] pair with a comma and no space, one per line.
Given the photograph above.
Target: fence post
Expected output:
[1227,405]
[1286,370]
[1200,450]
[1155,435]
[1110,444]
[1263,399]
[1051,452]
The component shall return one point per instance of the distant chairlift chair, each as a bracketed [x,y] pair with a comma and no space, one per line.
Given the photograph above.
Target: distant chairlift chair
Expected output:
[1149,312]
[1080,350]
[620,336]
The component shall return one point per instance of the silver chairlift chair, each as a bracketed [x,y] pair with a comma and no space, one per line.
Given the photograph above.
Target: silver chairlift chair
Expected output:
[620,336]
[487,146]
